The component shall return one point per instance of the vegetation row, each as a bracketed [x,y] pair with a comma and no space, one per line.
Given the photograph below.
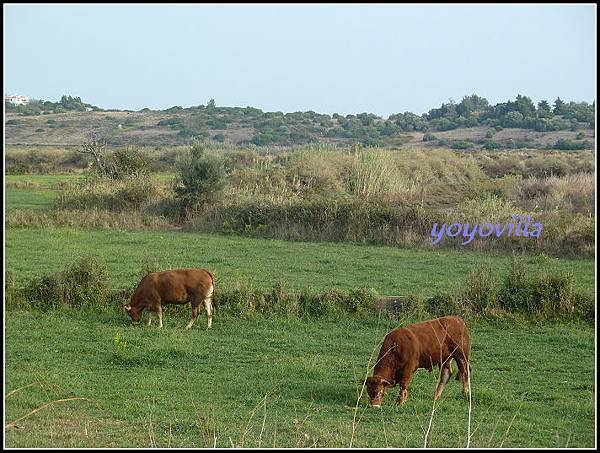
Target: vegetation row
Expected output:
[285,129]
[540,294]
[363,195]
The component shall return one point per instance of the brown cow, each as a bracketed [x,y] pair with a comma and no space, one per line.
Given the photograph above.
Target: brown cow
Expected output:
[422,345]
[176,286]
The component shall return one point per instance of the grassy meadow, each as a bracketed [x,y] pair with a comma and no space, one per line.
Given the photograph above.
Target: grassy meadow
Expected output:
[262,262]
[87,378]
[285,383]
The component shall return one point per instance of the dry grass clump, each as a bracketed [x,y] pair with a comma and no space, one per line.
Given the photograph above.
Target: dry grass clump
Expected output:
[574,193]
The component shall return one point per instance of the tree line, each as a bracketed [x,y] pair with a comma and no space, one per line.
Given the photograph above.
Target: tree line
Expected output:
[366,128]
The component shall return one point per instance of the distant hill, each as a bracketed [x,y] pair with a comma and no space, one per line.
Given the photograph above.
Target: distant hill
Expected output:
[472,124]
[161,129]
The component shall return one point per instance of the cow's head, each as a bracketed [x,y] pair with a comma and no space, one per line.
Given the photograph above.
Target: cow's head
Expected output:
[377,387]
[134,313]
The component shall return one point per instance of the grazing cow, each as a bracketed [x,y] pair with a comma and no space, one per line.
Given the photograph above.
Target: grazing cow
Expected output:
[177,286]
[422,345]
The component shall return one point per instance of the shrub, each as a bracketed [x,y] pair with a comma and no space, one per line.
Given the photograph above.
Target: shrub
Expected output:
[200,177]
[514,295]
[82,284]
[239,300]
[542,295]
[566,144]
[585,306]
[462,144]
[279,302]
[443,304]
[14,297]
[428,136]
[481,291]
[326,304]
[125,163]
[490,145]
[133,194]
[359,301]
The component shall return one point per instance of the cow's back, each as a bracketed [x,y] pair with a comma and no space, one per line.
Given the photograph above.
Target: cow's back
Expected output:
[428,341]
[447,329]
[174,285]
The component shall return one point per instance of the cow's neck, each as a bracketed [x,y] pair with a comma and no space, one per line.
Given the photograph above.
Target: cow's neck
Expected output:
[385,368]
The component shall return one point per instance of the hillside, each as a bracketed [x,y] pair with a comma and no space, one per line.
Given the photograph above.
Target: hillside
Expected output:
[175,128]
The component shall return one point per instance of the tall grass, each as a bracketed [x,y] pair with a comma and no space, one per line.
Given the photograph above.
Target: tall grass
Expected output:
[537,294]
[364,195]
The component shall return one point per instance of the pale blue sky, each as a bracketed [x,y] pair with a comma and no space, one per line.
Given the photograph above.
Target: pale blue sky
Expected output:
[381,59]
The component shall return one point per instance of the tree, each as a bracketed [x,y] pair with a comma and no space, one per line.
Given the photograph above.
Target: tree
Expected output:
[472,105]
[513,119]
[200,177]
[524,105]
[544,110]
[559,106]
[95,146]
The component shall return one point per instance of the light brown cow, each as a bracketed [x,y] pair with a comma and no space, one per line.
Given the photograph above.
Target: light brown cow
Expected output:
[422,345]
[176,286]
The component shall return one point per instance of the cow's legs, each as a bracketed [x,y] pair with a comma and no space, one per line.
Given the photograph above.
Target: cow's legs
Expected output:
[404,382]
[445,373]
[209,311]
[150,314]
[159,312]
[195,313]
[463,374]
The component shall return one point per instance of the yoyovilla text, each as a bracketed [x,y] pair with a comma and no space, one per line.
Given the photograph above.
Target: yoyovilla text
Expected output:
[518,227]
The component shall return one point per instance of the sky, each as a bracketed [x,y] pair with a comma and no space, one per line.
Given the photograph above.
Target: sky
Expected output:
[334,58]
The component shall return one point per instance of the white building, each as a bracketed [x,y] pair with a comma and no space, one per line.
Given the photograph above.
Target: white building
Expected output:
[16,99]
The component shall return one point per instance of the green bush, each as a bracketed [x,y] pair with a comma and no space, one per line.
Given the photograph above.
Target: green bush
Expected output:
[82,284]
[480,295]
[490,145]
[14,297]
[566,144]
[279,302]
[126,163]
[360,301]
[200,177]
[462,144]
[132,194]
[541,295]
[326,304]
[443,304]
[428,136]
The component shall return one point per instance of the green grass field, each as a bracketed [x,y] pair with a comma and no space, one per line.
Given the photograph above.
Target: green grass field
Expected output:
[44,189]
[262,262]
[89,379]
[40,193]
[276,382]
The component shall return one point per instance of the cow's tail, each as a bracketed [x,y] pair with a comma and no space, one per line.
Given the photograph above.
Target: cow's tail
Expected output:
[214,299]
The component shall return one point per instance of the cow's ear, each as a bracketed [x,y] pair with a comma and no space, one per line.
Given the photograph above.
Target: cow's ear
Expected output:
[127,307]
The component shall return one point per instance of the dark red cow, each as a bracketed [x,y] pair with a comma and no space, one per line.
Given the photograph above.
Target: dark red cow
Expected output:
[422,345]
